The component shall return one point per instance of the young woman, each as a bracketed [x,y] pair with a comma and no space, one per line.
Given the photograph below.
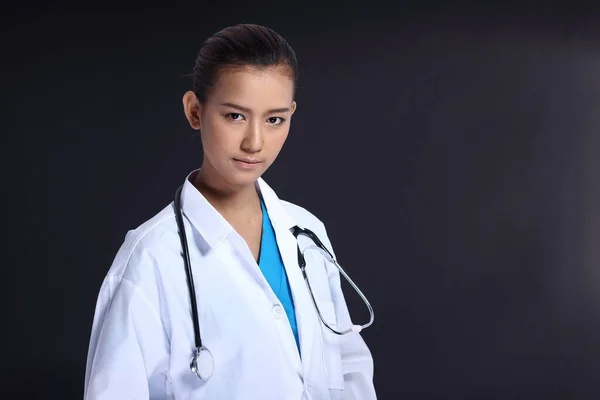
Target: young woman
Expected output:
[261,332]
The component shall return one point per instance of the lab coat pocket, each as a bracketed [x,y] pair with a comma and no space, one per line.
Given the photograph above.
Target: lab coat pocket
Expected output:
[332,357]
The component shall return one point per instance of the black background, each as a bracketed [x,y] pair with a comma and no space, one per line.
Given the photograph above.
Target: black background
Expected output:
[452,153]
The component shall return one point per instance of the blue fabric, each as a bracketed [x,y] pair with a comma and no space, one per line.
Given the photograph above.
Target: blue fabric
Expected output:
[272,267]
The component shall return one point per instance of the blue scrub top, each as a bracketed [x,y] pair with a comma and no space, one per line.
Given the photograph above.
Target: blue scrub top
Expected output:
[271,265]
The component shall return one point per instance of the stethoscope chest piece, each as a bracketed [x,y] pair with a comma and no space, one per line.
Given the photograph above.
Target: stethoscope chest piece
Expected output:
[203,363]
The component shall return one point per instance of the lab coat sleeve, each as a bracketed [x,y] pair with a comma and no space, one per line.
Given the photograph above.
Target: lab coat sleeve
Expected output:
[126,346]
[357,361]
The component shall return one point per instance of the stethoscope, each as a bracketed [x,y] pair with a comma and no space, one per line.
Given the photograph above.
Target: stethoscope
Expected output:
[202,363]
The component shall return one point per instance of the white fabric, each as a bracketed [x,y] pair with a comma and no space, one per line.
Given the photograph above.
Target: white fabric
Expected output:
[142,336]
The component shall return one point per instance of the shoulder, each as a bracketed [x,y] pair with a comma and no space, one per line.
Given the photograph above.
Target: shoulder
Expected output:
[307,219]
[303,216]
[131,285]
[143,246]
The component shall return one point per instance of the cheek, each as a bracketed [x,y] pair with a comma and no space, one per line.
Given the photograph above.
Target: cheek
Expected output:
[275,143]
[279,139]
[216,137]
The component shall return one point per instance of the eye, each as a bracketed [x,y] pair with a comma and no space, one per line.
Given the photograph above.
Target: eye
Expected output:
[235,116]
[274,120]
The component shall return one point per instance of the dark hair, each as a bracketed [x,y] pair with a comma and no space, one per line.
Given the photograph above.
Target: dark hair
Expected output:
[239,46]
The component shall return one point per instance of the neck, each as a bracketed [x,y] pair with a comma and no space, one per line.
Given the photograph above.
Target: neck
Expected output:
[227,199]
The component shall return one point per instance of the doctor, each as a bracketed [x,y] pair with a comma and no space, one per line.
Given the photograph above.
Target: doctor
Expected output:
[256,315]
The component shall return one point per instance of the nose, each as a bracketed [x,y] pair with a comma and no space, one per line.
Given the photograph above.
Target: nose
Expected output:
[253,139]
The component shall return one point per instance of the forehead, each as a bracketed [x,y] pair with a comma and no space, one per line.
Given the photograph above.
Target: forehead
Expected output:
[254,88]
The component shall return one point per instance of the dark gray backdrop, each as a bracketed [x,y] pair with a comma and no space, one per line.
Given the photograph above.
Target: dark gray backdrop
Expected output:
[452,153]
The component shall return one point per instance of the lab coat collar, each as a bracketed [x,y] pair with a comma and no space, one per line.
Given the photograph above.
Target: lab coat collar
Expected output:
[209,223]
[212,226]
[280,217]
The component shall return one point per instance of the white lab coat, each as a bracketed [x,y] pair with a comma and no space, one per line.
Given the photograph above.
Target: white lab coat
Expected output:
[142,336]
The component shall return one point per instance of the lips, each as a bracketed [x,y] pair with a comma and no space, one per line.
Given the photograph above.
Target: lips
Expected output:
[248,160]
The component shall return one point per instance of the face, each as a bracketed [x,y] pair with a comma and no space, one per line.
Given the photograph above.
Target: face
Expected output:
[243,123]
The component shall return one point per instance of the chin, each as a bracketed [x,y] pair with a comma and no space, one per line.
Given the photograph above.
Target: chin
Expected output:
[242,179]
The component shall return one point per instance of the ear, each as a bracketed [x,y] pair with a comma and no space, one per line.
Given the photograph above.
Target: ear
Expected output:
[293,108]
[192,109]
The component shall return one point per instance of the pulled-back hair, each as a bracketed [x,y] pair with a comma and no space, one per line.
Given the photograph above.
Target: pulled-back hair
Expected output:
[242,45]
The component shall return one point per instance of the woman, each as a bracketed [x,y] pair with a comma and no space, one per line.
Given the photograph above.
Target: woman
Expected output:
[255,312]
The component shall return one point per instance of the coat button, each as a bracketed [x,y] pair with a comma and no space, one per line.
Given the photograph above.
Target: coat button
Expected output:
[277,311]
[309,388]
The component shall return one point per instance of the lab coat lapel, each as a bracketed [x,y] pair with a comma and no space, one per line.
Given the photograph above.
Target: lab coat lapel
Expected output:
[305,315]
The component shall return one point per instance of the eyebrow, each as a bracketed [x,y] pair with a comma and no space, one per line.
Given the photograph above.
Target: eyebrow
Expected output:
[245,109]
